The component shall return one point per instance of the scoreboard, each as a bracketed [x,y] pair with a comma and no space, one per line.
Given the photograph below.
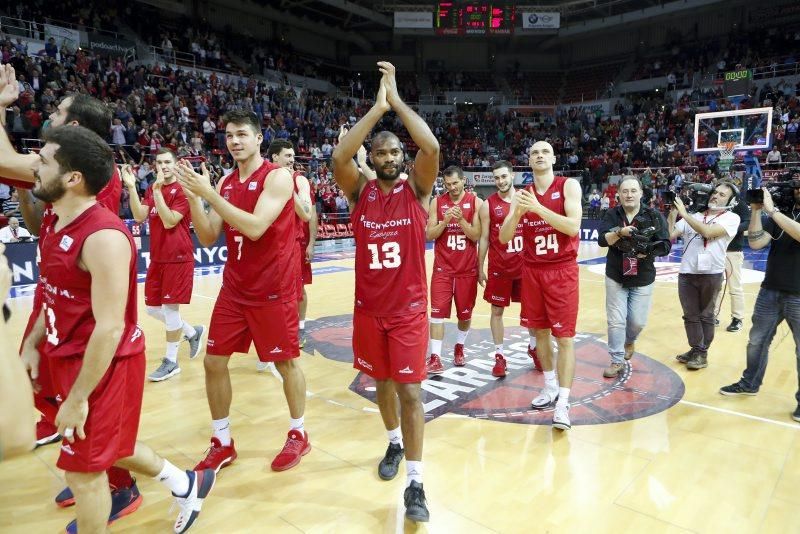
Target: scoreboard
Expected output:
[474,18]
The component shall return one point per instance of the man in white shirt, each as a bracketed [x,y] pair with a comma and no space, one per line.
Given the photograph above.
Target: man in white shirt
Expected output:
[706,236]
[13,232]
[774,157]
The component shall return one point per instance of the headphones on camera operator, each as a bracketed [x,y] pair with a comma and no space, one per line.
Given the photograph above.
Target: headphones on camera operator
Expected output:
[733,201]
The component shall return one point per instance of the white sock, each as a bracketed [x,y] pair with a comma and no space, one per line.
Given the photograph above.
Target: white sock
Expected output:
[563,397]
[302,324]
[297,424]
[188,330]
[498,349]
[436,347]
[222,430]
[395,436]
[177,480]
[413,472]
[532,342]
[172,351]
[462,336]
[550,379]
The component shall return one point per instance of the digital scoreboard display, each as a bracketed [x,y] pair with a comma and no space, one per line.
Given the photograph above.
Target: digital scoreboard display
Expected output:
[474,18]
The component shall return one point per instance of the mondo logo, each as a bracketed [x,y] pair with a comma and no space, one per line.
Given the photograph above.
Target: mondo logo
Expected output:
[646,387]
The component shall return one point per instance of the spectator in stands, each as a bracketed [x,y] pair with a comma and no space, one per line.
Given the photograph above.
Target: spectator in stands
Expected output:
[11,206]
[118,132]
[327,150]
[774,158]
[13,233]
[594,204]
[50,48]
[605,202]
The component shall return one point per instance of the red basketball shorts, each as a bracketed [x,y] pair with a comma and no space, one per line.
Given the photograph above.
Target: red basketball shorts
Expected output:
[550,299]
[114,409]
[502,291]
[271,328]
[445,289]
[391,347]
[169,283]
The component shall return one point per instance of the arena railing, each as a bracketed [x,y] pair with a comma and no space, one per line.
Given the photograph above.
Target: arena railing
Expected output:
[33,31]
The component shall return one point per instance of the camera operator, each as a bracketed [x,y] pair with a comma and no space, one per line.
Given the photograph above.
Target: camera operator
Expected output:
[635,235]
[733,271]
[706,235]
[779,296]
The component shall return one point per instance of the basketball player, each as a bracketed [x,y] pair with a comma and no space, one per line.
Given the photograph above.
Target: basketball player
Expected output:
[504,282]
[258,299]
[390,317]
[95,348]
[17,434]
[17,169]
[453,222]
[550,211]
[171,271]
[281,153]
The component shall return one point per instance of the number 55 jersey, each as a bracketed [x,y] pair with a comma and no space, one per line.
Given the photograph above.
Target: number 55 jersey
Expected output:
[389,232]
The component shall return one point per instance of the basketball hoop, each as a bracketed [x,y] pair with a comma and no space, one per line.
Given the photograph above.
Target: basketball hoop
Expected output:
[726,150]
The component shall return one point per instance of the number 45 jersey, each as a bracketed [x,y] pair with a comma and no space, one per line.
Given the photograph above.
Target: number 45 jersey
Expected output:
[544,246]
[454,253]
[389,231]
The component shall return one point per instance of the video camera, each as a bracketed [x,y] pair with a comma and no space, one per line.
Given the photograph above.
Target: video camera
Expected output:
[694,196]
[782,191]
[641,239]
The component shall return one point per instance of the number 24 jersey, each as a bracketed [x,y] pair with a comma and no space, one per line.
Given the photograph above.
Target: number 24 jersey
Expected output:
[544,246]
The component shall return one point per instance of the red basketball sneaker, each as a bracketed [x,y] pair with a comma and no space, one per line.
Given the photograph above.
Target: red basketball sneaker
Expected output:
[217,457]
[458,355]
[535,357]
[46,432]
[434,365]
[499,369]
[296,447]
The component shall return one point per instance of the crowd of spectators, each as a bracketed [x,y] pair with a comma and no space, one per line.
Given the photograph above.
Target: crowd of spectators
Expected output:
[157,106]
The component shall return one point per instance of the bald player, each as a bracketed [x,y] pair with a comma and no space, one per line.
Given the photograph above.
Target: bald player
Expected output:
[550,212]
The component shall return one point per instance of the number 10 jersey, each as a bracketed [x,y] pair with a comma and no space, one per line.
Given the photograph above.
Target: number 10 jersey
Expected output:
[389,232]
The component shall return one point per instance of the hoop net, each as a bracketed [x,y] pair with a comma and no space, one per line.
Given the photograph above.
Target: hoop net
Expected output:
[726,150]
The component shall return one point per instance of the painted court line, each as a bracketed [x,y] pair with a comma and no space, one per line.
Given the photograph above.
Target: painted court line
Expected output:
[739,414]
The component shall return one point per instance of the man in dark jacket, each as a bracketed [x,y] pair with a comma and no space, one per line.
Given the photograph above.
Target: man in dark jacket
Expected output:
[635,234]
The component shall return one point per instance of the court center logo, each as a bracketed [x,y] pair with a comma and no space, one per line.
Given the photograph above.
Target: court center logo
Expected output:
[644,388]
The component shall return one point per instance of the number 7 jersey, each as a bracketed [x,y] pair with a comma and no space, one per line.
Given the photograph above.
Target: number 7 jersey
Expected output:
[389,232]
[545,247]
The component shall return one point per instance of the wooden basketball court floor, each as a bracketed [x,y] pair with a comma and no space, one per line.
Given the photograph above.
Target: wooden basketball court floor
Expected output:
[708,463]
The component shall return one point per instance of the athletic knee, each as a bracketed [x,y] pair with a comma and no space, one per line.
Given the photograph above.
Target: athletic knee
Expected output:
[286,367]
[155,312]
[409,394]
[172,317]
[215,364]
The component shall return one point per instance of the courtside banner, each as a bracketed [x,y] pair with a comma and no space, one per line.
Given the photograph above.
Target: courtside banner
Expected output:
[25,270]
[541,20]
[109,45]
[413,19]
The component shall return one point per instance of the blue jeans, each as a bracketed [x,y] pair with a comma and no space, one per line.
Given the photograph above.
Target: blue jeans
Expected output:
[627,309]
[771,308]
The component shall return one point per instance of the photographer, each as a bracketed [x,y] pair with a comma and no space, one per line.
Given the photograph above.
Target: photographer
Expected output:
[635,235]
[706,235]
[779,296]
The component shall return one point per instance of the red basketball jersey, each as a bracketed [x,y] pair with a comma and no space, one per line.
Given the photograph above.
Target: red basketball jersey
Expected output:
[454,253]
[303,232]
[504,260]
[544,246]
[255,272]
[389,231]
[67,298]
[172,245]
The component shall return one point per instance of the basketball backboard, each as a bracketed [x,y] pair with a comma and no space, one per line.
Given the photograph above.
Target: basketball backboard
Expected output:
[751,129]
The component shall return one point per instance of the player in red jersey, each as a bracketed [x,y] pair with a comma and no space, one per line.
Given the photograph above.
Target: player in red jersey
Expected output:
[18,169]
[390,317]
[550,211]
[171,270]
[454,223]
[95,348]
[258,300]
[281,152]
[504,281]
